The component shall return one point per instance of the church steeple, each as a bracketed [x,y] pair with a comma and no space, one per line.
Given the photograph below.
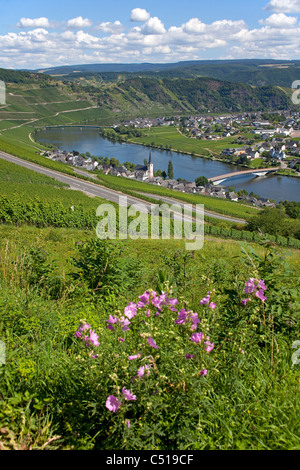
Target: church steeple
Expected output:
[150,167]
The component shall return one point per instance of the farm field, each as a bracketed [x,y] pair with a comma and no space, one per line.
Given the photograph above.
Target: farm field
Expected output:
[170,136]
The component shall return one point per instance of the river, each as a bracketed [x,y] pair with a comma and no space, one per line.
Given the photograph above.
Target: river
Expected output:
[279,188]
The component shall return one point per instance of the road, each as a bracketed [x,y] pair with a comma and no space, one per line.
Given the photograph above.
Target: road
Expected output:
[93,189]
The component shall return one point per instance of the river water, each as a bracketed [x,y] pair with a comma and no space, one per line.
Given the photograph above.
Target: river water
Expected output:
[279,188]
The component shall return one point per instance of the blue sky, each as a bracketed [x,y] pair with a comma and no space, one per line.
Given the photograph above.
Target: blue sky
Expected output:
[36,34]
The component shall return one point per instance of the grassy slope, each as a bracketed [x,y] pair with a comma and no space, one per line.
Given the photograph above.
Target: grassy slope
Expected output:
[210,203]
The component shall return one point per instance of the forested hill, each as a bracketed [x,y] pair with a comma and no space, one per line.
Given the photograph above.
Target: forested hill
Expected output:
[205,94]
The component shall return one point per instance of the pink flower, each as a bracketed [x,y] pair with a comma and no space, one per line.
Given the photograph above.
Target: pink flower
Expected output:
[203,372]
[112,403]
[182,317]
[136,356]
[111,320]
[172,302]
[261,284]
[152,343]
[197,337]
[130,310]
[145,297]
[205,300]
[208,346]
[128,395]
[124,322]
[260,295]
[127,421]
[93,338]
[121,339]
[82,329]
[189,356]
[250,286]
[195,320]
[212,305]
[142,370]
[244,301]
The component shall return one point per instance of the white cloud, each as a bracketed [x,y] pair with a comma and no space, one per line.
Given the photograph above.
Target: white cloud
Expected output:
[139,14]
[79,22]
[194,25]
[279,20]
[285,6]
[153,26]
[111,28]
[277,36]
[34,23]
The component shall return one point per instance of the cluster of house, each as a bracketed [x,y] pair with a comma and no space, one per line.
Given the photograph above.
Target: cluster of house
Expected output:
[146,174]
[204,127]
[72,158]
[276,149]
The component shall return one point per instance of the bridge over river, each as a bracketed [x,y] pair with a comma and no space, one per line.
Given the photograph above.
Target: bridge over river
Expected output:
[261,172]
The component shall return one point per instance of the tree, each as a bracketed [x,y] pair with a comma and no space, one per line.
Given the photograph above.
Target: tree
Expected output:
[201,181]
[268,221]
[170,170]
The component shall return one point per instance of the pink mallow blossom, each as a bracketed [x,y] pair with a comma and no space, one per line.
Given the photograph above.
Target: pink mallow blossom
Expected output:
[135,356]
[128,395]
[130,310]
[208,346]
[189,356]
[112,403]
[93,339]
[152,343]
[205,300]
[260,295]
[256,287]
[82,329]
[111,320]
[197,337]
[143,370]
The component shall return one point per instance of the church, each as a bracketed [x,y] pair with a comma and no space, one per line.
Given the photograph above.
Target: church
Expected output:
[142,172]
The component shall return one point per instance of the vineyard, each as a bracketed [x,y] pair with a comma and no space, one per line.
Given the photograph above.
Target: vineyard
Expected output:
[33,198]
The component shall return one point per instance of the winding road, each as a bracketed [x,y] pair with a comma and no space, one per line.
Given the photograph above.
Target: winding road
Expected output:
[93,189]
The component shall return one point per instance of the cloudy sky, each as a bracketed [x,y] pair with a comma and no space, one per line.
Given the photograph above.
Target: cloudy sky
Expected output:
[36,34]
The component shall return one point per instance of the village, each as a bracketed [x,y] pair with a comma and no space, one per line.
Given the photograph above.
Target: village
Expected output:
[271,143]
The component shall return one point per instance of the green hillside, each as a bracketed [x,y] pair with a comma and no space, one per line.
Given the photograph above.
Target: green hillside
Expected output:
[38,100]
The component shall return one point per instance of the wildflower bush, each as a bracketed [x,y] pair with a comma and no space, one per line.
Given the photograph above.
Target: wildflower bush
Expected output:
[199,359]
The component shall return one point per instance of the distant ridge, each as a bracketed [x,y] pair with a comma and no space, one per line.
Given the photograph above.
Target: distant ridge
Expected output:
[148,66]
[257,72]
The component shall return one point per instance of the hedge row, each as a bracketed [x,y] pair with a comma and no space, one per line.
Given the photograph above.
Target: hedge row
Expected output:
[250,236]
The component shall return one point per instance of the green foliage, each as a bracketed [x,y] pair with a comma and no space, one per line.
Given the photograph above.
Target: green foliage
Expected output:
[273,222]
[170,170]
[201,181]
[101,265]
[54,388]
